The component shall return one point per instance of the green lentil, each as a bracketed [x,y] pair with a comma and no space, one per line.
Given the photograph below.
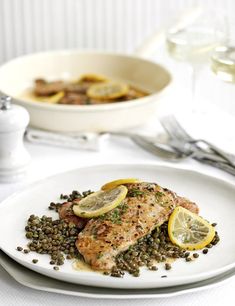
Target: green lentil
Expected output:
[188,259]
[167,266]
[34,261]
[153,268]
[205,251]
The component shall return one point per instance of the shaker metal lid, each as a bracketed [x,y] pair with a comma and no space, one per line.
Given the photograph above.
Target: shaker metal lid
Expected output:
[12,117]
[5,102]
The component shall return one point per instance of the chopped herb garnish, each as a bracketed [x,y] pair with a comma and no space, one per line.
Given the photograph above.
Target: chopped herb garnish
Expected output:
[115,215]
[135,193]
[158,194]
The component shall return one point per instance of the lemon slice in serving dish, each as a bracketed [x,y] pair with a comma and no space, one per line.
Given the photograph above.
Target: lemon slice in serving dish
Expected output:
[107,91]
[188,230]
[93,78]
[113,184]
[52,99]
[100,202]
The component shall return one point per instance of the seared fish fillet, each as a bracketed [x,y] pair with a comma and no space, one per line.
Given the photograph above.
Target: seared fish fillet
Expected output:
[146,206]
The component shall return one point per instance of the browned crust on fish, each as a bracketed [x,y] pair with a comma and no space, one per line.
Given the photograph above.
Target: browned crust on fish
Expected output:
[104,237]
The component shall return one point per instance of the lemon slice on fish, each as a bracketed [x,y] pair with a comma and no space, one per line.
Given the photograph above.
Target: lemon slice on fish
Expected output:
[113,184]
[100,202]
[188,230]
[107,91]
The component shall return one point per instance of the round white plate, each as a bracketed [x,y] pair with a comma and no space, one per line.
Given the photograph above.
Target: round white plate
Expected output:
[214,197]
[37,281]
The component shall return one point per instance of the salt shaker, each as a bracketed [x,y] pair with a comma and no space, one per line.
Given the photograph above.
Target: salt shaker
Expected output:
[14,158]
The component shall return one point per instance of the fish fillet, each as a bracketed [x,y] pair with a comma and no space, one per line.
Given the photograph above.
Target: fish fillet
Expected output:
[146,206]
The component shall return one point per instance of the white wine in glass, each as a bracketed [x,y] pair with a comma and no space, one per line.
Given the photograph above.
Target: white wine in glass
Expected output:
[223,63]
[195,43]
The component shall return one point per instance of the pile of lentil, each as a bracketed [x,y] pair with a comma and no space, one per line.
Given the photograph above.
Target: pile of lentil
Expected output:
[57,239]
[53,237]
[154,248]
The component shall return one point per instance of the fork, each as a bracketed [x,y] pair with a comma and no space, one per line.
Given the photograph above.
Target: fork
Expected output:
[159,148]
[183,141]
[177,132]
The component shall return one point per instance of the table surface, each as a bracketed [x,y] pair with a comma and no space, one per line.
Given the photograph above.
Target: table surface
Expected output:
[46,161]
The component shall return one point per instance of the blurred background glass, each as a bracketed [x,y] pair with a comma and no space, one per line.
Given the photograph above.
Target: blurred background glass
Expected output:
[195,43]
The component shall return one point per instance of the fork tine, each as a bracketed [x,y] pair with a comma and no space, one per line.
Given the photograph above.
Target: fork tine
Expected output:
[174,129]
[166,123]
[157,150]
[180,129]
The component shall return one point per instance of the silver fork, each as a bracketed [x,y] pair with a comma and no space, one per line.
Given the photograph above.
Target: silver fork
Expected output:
[176,131]
[202,150]
[161,149]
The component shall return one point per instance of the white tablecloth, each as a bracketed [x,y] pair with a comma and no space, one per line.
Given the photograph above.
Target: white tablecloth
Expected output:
[47,161]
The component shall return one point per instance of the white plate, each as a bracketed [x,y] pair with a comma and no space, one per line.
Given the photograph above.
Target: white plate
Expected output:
[215,198]
[40,282]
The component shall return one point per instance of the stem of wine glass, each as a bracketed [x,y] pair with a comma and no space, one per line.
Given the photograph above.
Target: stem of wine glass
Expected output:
[193,87]
[194,76]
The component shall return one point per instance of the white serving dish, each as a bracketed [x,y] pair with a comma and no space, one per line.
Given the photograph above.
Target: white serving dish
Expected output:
[18,75]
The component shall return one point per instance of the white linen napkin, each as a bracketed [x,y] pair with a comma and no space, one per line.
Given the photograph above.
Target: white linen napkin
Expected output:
[84,140]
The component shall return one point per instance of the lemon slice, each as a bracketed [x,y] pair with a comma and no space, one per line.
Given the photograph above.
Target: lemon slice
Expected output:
[90,77]
[53,99]
[107,91]
[188,230]
[100,202]
[114,184]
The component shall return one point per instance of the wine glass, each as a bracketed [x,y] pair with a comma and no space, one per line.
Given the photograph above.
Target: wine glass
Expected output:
[194,43]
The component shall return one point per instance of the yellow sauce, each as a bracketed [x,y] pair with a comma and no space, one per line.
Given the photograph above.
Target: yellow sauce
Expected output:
[28,95]
[80,265]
